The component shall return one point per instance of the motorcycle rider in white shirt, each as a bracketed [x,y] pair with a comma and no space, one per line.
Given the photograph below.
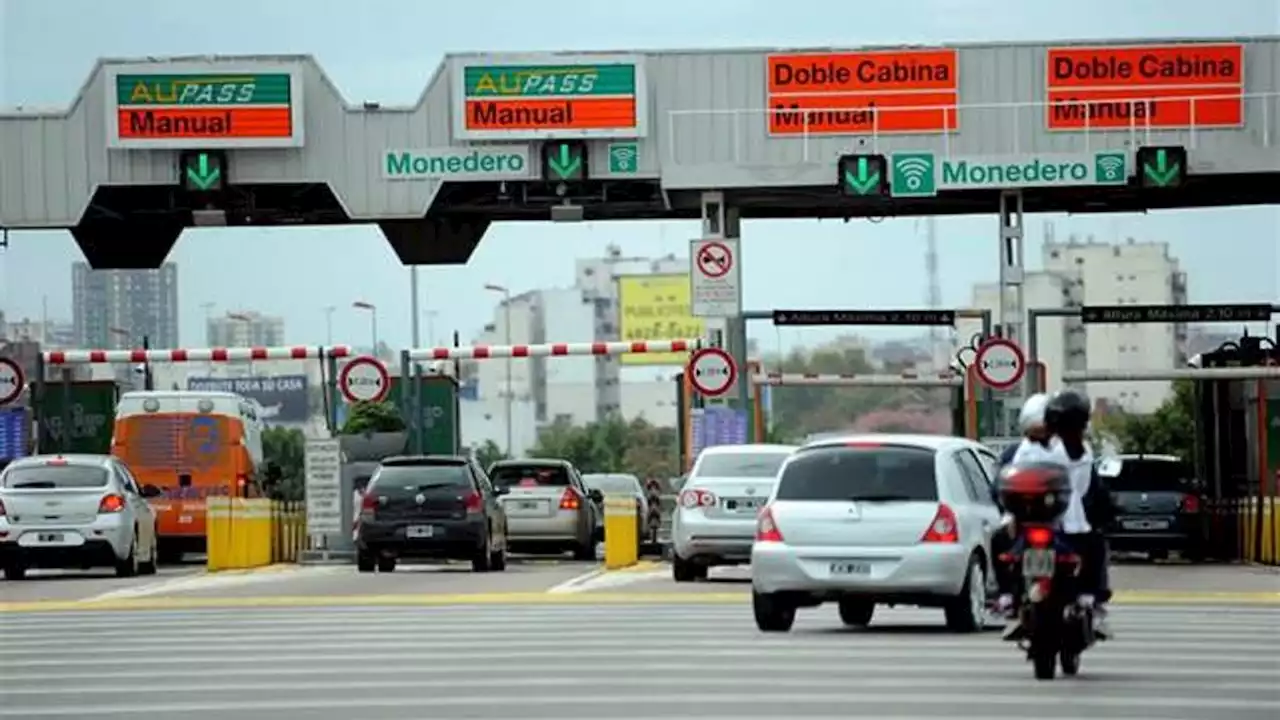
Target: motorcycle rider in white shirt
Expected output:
[1066,418]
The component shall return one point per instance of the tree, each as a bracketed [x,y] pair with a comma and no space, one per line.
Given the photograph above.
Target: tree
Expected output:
[1169,430]
[371,417]
[489,453]
[612,445]
[286,449]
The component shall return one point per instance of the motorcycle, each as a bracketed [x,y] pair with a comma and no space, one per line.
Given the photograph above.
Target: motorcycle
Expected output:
[1057,627]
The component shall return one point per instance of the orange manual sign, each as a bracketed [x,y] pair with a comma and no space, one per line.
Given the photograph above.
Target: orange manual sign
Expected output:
[1149,86]
[880,92]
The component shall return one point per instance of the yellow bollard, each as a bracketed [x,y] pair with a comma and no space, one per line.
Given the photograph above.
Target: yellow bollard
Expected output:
[238,533]
[621,533]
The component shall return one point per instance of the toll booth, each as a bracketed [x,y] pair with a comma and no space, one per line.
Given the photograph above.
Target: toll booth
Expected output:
[1235,436]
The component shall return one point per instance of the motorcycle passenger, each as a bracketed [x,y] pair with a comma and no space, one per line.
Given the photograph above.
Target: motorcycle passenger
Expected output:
[1034,435]
[1090,509]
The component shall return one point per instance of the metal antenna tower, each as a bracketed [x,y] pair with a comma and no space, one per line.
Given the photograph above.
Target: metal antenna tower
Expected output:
[933,292]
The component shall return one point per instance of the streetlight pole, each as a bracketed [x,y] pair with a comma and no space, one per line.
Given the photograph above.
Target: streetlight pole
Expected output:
[373,321]
[506,321]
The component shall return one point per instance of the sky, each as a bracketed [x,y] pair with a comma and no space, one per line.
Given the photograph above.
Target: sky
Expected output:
[386,51]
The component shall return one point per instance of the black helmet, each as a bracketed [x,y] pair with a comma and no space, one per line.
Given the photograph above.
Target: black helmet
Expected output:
[1068,410]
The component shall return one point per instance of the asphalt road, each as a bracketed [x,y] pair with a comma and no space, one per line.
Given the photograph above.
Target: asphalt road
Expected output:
[62,585]
[615,662]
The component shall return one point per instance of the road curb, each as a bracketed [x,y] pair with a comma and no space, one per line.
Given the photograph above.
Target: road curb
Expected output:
[541,598]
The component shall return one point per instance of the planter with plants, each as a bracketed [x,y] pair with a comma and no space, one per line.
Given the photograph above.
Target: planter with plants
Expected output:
[373,431]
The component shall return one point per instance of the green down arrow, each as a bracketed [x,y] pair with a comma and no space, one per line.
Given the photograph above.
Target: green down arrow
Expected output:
[864,181]
[566,165]
[202,176]
[1162,174]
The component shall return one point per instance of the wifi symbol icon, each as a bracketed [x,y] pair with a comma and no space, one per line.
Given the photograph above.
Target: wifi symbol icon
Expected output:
[1109,167]
[913,175]
[623,158]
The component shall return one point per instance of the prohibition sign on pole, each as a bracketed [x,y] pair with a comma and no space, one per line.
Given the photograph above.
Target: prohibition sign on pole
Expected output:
[1000,363]
[712,371]
[11,381]
[715,260]
[364,379]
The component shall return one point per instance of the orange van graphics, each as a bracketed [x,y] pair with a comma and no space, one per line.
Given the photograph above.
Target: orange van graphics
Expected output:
[191,445]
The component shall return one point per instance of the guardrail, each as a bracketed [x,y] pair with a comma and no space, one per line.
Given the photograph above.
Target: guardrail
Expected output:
[1013,120]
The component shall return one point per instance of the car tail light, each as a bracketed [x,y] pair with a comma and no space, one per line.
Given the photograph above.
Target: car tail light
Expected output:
[368,506]
[942,529]
[474,502]
[570,500]
[111,504]
[1039,537]
[766,529]
[1190,504]
[691,499]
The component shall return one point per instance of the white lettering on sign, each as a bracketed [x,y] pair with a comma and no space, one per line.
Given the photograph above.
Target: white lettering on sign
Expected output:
[323,487]
[716,279]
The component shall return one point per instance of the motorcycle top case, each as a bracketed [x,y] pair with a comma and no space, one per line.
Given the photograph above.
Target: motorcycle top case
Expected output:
[1034,493]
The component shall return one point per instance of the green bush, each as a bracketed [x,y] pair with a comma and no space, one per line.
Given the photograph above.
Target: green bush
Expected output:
[371,417]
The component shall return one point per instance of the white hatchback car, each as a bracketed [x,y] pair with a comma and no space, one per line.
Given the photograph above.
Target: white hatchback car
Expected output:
[75,511]
[714,522]
[878,519]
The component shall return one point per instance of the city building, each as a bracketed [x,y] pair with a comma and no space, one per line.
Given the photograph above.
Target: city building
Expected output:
[1077,273]
[121,308]
[49,333]
[245,329]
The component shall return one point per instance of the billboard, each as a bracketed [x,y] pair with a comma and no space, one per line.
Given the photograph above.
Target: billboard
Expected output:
[656,307]
[282,398]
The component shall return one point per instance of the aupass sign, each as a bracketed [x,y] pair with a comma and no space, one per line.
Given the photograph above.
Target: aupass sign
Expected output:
[529,97]
[203,106]
[924,174]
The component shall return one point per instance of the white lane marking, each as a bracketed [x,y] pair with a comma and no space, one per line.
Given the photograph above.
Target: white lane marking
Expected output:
[212,581]
[572,584]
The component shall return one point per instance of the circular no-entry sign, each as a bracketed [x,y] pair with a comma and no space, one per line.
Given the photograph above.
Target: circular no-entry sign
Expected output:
[1000,363]
[11,381]
[712,371]
[715,259]
[364,379]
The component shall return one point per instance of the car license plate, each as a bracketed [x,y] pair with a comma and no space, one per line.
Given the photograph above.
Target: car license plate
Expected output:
[850,568]
[1145,524]
[1038,563]
[50,538]
[529,505]
[743,504]
[420,531]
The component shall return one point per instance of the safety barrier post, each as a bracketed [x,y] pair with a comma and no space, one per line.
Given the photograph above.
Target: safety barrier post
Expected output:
[621,533]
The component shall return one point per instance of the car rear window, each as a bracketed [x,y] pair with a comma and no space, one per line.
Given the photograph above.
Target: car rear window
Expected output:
[619,484]
[529,476]
[860,473]
[740,465]
[54,477]
[399,480]
[1147,475]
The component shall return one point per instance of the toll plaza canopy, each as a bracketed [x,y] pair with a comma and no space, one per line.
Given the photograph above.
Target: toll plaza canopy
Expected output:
[150,147]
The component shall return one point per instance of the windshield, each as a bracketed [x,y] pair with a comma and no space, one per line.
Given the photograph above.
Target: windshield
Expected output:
[529,476]
[740,465]
[613,484]
[398,480]
[54,477]
[1133,475]
[884,473]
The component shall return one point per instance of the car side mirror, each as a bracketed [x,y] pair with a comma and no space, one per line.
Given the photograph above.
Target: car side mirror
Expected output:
[150,491]
[595,495]
[500,491]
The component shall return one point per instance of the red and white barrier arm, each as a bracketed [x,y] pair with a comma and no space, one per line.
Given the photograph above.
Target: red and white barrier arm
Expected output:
[902,380]
[178,355]
[487,352]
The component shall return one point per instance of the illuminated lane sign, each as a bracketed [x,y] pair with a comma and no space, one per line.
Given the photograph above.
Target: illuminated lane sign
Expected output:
[1162,167]
[564,161]
[862,175]
[1258,312]
[863,317]
[202,171]
[197,110]
[1157,86]
[551,98]
[897,91]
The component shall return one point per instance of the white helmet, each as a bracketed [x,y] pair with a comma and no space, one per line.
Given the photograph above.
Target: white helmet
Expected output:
[1032,413]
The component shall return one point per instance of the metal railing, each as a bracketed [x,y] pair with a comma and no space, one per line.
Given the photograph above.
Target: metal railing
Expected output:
[1139,131]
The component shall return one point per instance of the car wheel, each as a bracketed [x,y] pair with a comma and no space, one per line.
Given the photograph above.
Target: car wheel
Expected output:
[967,611]
[498,559]
[365,562]
[15,571]
[128,567]
[856,613]
[773,612]
[386,564]
[585,551]
[685,571]
[153,559]
[482,561]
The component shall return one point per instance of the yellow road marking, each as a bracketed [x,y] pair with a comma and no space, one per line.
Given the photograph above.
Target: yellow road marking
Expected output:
[1147,597]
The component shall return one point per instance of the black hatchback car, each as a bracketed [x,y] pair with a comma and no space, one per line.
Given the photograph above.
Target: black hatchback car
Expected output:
[431,507]
[1158,506]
